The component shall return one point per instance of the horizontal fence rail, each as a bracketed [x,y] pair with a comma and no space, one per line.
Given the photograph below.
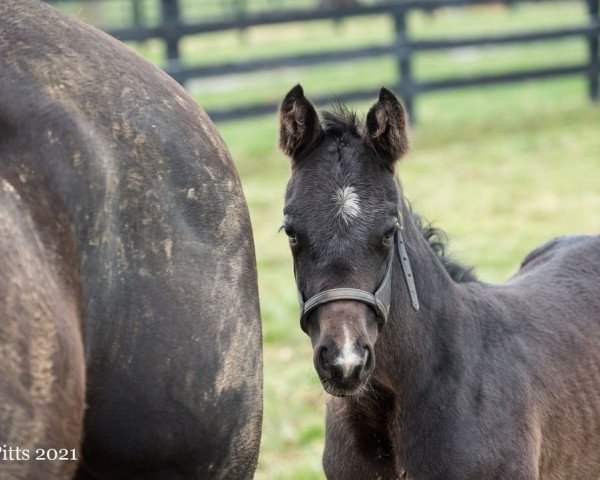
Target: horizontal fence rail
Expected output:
[404,49]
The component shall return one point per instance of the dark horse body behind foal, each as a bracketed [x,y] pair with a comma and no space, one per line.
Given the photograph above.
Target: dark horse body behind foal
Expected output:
[121,216]
[480,381]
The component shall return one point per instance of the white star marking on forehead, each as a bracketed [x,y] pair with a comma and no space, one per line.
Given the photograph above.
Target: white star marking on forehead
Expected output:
[347,202]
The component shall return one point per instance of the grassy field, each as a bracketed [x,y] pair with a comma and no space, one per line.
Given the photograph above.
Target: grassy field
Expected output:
[500,169]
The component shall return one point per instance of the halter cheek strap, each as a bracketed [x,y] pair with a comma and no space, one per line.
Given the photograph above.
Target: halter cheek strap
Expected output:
[379,301]
[407,271]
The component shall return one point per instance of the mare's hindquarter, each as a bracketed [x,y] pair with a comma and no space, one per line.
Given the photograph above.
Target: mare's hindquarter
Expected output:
[42,369]
[165,254]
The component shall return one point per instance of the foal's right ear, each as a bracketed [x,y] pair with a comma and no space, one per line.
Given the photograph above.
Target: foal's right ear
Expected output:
[299,126]
[386,128]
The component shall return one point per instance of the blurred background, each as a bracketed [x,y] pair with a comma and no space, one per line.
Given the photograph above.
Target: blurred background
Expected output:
[505,143]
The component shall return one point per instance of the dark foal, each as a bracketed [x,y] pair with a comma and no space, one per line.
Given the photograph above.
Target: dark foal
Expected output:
[477,381]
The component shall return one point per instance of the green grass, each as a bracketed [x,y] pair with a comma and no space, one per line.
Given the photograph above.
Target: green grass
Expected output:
[501,169]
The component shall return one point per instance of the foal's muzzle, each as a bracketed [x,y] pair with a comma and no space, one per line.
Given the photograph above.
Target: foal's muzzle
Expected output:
[343,371]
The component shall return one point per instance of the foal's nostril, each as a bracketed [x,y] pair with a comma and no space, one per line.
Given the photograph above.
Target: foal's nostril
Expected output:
[322,358]
[369,359]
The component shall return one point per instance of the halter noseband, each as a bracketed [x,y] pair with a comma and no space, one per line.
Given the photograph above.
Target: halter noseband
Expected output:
[379,301]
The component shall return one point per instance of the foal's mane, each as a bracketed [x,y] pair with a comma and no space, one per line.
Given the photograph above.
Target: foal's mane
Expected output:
[342,120]
[438,242]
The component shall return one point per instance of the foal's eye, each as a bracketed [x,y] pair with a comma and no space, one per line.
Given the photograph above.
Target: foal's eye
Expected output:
[388,236]
[291,234]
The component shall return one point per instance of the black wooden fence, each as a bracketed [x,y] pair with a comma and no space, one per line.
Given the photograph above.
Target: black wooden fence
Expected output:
[402,48]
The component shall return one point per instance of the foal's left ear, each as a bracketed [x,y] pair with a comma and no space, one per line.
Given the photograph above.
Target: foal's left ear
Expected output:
[386,128]
[299,126]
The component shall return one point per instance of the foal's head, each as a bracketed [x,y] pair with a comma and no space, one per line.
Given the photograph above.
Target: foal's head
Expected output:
[341,213]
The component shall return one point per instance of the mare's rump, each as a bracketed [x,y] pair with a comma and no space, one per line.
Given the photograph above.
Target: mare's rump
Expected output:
[41,354]
[107,150]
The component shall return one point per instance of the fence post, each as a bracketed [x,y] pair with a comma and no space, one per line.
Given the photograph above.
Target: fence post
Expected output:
[404,56]
[171,23]
[593,40]
[136,10]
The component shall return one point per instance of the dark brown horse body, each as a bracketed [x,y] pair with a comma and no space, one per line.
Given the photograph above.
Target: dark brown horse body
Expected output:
[124,236]
[482,381]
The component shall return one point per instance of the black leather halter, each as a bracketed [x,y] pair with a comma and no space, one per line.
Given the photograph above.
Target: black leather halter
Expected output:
[379,301]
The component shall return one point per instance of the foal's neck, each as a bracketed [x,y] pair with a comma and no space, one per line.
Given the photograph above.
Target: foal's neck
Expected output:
[419,348]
